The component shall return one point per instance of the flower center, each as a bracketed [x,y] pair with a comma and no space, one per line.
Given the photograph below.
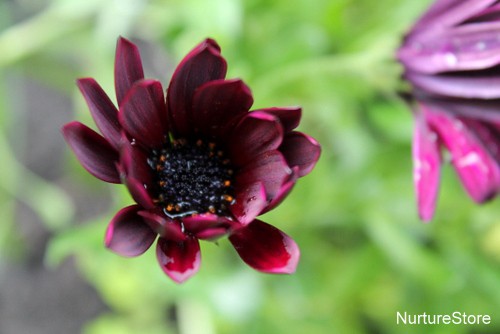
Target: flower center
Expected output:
[192,178]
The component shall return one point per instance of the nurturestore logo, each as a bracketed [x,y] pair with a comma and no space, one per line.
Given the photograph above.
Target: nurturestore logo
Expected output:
[456,318]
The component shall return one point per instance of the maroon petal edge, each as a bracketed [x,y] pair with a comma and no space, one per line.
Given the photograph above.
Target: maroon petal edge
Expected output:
[301,150]
[128,67]
[128,234]
[103,111]
[288,116]
[203,64]
[266,248]
[179,260]
[143,114]
[93,151]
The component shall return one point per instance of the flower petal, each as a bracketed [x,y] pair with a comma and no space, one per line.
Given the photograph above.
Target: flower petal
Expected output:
[134,161]
[168,229]
[466,47]
[179,260]
[446,13]
[139,193]
[102,109]
[203,64]
[288,116]
[426,167]
[300,150]
[284,190]
[249,202]
[270,168]
[207,226]
[484,110]
[143,114]
[255,134]
[216,103]
[478,84]
[93,151]
[128,68]
[478,170]
[266,248]
[128,234]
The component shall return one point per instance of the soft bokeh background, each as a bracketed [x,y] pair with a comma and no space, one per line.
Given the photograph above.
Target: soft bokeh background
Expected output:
[365,255]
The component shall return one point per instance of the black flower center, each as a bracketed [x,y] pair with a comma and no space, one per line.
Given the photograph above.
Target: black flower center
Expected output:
[192,178]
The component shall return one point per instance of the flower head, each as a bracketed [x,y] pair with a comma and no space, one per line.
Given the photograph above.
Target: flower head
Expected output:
[451,57]
[197,162]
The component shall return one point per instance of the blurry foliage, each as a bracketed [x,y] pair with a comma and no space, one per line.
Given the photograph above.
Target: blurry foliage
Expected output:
[365,255]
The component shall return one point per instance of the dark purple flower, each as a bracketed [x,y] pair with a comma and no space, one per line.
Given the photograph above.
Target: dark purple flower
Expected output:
[198,163]
[451,57]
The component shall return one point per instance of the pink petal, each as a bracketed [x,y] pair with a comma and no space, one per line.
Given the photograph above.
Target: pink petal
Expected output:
[479,84]
[255,134]
[301,150]
[203,64]
[426,167]
[447,13]
[143,114]
[179,260]
[216,104]
[93,151]
[478,170]
[128,68]
[468,47]
[128,234]
[266,248]
[102,109]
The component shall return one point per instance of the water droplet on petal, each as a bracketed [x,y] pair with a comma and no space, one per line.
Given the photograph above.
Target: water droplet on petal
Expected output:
[480,46]
[253,198]
[450,59]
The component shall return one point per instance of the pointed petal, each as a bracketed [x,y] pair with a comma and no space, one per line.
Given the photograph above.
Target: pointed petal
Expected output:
[255,134]
[269,168]
[447,13]
[489,14]
[217,103]
[102,109]
[426,168]
[468,47]
[128,68]
[478,84]
[476,167]
[168,229]
[128,234]
[93,151]
[266,248]
[301,150]
[249,202]
[179,260]
[288,116]
[484,110]
[203,64]
[143,114]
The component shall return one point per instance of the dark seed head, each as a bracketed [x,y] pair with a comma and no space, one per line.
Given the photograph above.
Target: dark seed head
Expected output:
[192,178]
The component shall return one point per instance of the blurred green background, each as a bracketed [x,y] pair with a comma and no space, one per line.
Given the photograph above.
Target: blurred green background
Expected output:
[365,254]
